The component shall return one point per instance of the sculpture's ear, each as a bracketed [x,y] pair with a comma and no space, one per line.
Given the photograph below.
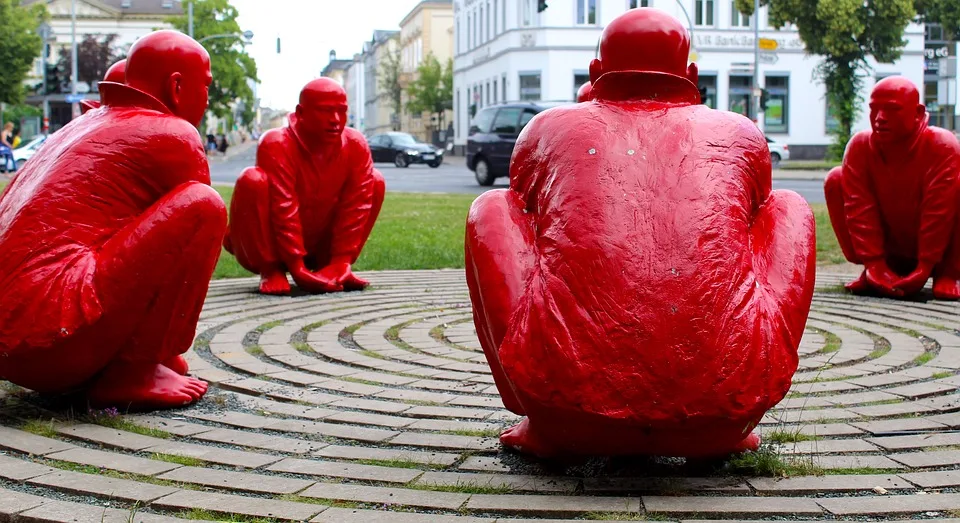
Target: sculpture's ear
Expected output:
[596,69]
[921,112]
[693,74]
[299,111]
[172,89]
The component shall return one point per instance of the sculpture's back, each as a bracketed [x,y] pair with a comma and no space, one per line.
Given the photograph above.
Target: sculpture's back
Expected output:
[666,287]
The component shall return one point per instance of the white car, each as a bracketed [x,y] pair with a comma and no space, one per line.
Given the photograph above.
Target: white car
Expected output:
[778,151]
[27,150]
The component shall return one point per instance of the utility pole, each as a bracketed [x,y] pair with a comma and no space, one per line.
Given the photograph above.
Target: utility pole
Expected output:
[190,18]
[45,35]
[756,62]
[73,52]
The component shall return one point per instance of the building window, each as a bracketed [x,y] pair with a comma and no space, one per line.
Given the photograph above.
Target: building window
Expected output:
[495,11]
[530,86]
[708,91]
[495,91]
[503,86]
[527,12]
[579,78]
[488,33]
[704,12]
[489,94]
[832,123]
[503,16]
[458,36]
[458,116]
[483,37]
[741,89]
[586,12]
[633,4]
[776,113]
[738,19]
[469,32]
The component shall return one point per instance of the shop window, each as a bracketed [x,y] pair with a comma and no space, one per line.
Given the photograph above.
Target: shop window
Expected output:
[708,91]
[741,89]
[530,86]
[775,116]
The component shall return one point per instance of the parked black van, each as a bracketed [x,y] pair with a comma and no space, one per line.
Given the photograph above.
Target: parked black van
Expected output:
[492,135]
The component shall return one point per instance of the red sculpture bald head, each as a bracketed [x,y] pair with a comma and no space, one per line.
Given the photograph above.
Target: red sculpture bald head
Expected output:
[585,93]
[175,69]
[322,111]
[895,110]
[644,40]
[117,73]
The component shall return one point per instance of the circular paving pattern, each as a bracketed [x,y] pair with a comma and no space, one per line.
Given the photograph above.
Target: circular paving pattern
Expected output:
[379,407]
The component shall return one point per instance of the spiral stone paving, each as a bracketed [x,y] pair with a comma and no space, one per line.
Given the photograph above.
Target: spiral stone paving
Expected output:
[379,407]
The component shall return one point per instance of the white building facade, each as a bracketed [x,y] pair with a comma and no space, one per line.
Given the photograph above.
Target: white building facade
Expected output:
[506,51]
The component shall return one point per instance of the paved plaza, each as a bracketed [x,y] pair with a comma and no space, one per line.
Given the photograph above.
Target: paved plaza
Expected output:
[379,407]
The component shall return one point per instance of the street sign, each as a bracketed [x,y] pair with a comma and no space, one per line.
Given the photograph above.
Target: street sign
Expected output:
[74,98]
[768,58]
[694,56]
[767,44]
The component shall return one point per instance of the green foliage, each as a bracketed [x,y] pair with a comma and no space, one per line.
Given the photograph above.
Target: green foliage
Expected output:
[389,81]
[844,33]
[16,113]
[20,46]
[943,12]
[232,67]
[432,91]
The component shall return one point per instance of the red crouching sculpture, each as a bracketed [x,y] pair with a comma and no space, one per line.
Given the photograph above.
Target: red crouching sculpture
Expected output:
[893,202]
[585,93]
[109,238]
[640,289]
[116,73]
[310,203]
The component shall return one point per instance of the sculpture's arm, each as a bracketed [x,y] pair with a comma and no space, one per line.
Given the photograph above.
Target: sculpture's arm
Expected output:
[172,152]
[525,178]
[353,209]
[938,207]
[860,203]
[284,202]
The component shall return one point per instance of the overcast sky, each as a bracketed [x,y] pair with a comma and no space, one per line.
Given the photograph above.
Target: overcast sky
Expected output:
[308,30]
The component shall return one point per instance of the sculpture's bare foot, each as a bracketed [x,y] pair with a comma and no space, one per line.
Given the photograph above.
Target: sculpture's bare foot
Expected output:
[945,288]
[860,285]
[139,386]
[751,443]
[177,364]
[522,438]
[274,282]
[354,283]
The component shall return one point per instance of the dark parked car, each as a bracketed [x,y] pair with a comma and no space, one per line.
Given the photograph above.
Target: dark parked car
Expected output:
[403,149]
[492,135]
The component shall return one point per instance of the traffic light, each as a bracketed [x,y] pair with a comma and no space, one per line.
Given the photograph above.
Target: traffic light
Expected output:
[541,5]
[764,99]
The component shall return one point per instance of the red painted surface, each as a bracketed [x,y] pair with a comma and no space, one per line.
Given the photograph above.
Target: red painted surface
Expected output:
[640,289]
[116,73]
[109,237]
[585,93]
[310,203]
[893,201]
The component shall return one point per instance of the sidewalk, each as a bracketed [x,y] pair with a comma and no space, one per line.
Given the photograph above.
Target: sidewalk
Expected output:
[781,174]
[233,150]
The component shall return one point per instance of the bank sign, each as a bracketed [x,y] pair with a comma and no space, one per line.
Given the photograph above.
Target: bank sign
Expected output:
[708,40]
[932,56]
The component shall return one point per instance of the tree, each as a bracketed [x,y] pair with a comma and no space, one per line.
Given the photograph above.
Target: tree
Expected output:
[432,91]
[94,57]
[20,46]
[390,70]
[233,69]
[845,33]
[943,12]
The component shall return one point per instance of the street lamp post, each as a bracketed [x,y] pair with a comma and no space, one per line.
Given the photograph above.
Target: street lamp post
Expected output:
[73,53]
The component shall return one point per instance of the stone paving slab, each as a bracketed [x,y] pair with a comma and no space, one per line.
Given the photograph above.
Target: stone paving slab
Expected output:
[114,461]
[891,505]
[19,470]
[230,504]
[551,506]
[345,515]
[807,485]
[20,441]
[113,488]
[387,496]
[243,481]
[707,506]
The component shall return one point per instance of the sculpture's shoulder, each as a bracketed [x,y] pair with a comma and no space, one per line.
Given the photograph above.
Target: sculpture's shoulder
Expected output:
[723,127]
[860,141]
[942,140]
[275,138]
[355,142]
[150,126]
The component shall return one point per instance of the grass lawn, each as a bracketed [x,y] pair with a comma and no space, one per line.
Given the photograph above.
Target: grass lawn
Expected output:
[425,231]
[808,165]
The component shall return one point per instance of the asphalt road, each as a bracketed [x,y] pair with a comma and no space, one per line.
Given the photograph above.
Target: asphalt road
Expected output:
[452,177]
